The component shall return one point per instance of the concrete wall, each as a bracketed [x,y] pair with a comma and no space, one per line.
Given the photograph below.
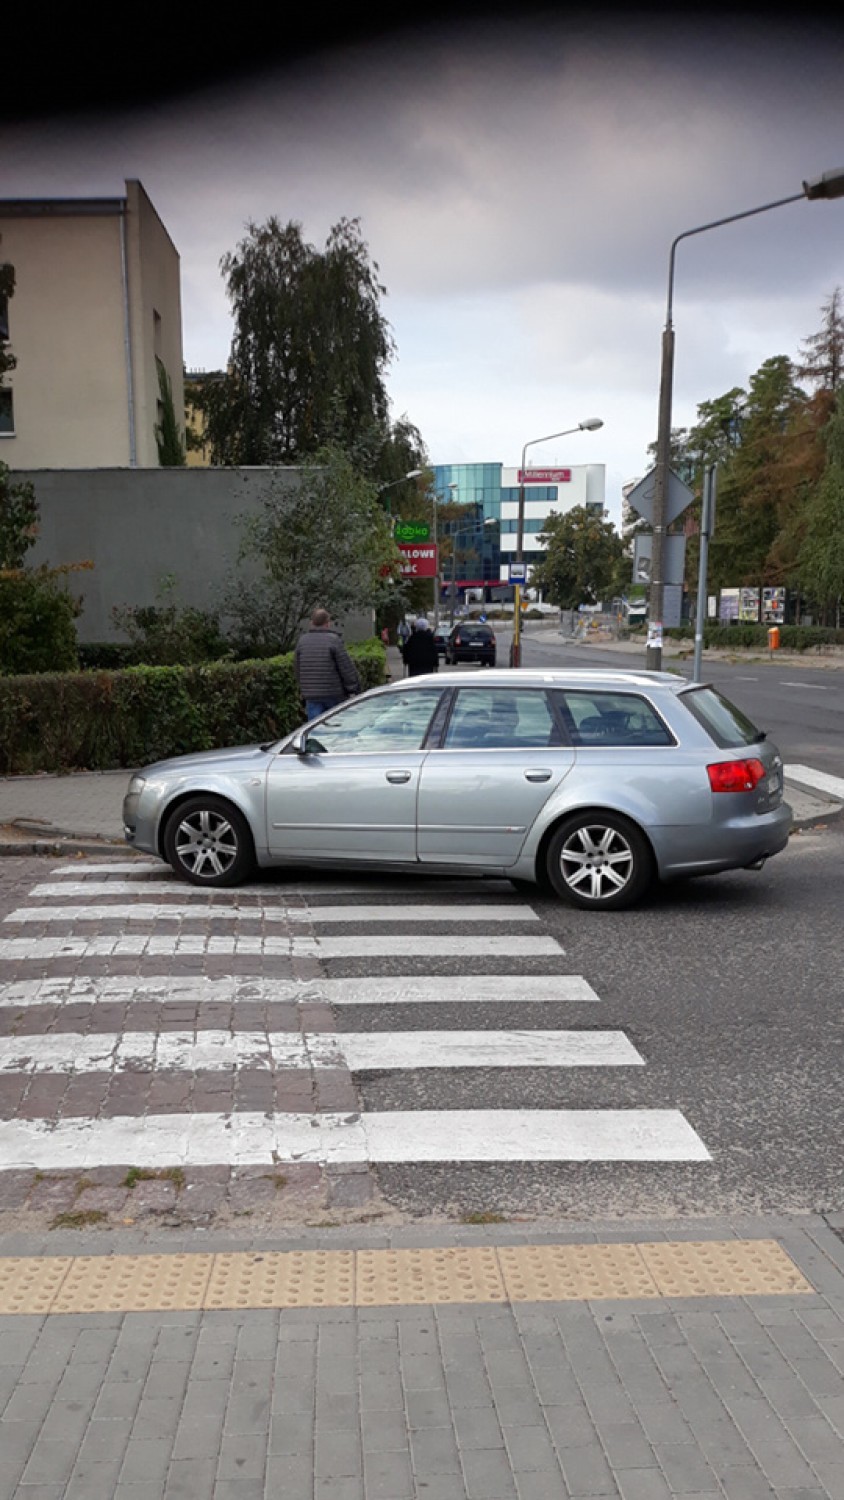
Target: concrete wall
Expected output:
[138,525]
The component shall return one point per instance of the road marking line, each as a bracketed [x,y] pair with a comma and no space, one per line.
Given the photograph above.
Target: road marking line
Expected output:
[181,911]
[110,867]
[198,944]
[820,780]
[816,687]
[222,1051]
[159,877]
[399,989]
[270,893]
[252,1139]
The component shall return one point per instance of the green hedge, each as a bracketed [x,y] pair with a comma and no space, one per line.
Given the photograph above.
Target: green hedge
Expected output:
[99,721]
[792,637]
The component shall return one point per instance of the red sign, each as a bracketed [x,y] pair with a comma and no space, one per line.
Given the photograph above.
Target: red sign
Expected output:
[420,560]
[544,476]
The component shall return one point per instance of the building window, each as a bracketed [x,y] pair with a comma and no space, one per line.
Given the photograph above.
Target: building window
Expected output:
[7,414]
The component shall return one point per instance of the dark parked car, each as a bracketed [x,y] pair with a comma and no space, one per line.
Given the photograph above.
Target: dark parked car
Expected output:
[471,642]
[441,639]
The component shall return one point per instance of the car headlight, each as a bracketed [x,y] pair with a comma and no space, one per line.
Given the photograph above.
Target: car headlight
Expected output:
[136,785]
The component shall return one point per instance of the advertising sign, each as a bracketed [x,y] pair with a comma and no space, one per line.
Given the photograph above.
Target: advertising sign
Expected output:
[412,531]
[729,606]
[419,561]
[543,476]
[748,604]
[773,606]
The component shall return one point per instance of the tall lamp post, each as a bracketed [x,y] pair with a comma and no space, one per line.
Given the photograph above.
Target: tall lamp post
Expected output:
[435,498]
[590,424]
[829,185]
[411,474]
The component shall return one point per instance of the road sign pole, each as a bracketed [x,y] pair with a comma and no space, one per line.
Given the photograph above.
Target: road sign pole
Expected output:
[707,526]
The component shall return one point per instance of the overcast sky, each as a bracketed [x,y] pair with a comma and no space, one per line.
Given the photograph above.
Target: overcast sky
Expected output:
[519,188]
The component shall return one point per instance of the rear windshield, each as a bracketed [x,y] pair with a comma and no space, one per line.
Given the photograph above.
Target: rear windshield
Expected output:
[723,722]
[473,632]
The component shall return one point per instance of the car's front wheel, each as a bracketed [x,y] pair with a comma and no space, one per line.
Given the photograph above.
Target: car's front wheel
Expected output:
[208,842]
[600,861]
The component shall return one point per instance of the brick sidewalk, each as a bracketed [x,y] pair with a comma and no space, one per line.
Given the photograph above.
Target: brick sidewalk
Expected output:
[736,1397]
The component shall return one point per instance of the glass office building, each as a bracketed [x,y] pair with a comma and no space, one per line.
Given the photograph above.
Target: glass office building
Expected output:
[485,537]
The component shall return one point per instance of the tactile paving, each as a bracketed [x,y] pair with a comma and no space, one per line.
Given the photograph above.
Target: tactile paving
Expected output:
[723,1268]
[313,1278]
[384,1278]
[563,1273]
[28,1284]
[134,1283]
[405,1277]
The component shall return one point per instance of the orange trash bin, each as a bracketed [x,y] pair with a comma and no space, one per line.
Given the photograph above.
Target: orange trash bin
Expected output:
[774,638]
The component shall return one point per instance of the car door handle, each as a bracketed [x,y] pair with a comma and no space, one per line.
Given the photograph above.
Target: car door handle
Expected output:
[398,776]
[540,774]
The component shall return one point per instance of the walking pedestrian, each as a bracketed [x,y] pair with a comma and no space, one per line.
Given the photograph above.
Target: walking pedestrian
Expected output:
[325,672]
[403,633]
[420,652]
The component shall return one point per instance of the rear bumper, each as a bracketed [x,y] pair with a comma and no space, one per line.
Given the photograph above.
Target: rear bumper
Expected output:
[729,845]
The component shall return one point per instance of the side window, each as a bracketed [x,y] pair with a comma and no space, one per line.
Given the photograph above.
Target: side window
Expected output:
[501,719]
[393,721]
[606,719]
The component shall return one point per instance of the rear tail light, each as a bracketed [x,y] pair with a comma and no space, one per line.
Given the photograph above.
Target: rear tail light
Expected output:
[735,775]
[457,641]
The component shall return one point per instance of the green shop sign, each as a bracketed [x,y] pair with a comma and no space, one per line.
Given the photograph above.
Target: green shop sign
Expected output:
[412,531]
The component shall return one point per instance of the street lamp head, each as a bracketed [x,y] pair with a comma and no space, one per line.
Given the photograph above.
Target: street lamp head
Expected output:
[414,473]
[591,424]
[828,185]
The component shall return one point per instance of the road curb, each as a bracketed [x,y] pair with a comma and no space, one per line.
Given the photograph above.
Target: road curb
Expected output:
[59,846]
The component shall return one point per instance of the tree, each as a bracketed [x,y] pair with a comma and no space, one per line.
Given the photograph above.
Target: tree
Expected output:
[18,519]
[823,352]
[583,554]
[37,613]
[323,540]
[309,351]
[821,557]
[168,434]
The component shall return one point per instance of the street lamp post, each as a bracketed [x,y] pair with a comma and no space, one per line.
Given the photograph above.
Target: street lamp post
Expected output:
[829,185]
[435,498]
[590,424]
[412,474]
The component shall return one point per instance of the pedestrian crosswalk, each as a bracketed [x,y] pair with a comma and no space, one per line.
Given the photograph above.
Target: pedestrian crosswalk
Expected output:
[258,984]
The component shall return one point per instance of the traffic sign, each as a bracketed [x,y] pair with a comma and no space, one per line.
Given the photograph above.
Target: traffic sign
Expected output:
[679,496]
[518,572]
[674,557]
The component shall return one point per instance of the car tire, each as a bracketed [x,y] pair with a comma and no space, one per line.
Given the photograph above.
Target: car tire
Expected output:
[599,861]
[208,842]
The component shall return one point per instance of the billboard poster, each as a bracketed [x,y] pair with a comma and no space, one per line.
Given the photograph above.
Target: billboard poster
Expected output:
[729,606]
[773,606]
[749,605]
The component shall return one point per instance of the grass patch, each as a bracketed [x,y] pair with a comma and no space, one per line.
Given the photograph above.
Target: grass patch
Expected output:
[160,1174]
[483,1217]
[78,1219]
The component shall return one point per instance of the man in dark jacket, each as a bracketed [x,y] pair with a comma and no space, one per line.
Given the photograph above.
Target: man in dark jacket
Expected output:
[420,652]
[324,670]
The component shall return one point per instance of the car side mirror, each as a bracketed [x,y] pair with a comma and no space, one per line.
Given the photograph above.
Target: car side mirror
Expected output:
[299,742]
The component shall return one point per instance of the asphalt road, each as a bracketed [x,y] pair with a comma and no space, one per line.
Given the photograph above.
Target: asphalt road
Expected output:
[731,989]
[801,707]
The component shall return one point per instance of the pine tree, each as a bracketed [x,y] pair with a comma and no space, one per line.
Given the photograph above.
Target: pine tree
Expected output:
[823,352]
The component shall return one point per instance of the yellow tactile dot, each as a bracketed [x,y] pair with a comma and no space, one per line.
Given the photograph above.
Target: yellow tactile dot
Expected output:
[408,1277]
[28,1284]
[134,1283]
[315,1278]
[564,1273]
[725,1268]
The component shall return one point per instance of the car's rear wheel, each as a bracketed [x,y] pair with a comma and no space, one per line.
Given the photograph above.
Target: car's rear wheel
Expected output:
[208,842]
[600,861]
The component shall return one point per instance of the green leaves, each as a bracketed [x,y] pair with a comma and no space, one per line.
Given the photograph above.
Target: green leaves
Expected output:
[583,555]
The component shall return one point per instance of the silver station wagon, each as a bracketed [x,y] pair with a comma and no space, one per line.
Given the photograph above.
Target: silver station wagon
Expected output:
[592,783]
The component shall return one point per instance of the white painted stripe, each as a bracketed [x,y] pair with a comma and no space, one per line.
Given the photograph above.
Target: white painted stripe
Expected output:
[180,912]
[197,944]
[158,877]
[399,989]
[219,1051]
[252,1139]
[820,780]
[274,892]
[109,867]
[815,687]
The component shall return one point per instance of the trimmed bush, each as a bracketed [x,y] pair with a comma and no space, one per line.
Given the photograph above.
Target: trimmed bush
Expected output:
[37,630]
[747,634]
[99,721]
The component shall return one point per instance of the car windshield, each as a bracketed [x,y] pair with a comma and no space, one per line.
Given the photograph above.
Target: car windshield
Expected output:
[723,722]
[473,632]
